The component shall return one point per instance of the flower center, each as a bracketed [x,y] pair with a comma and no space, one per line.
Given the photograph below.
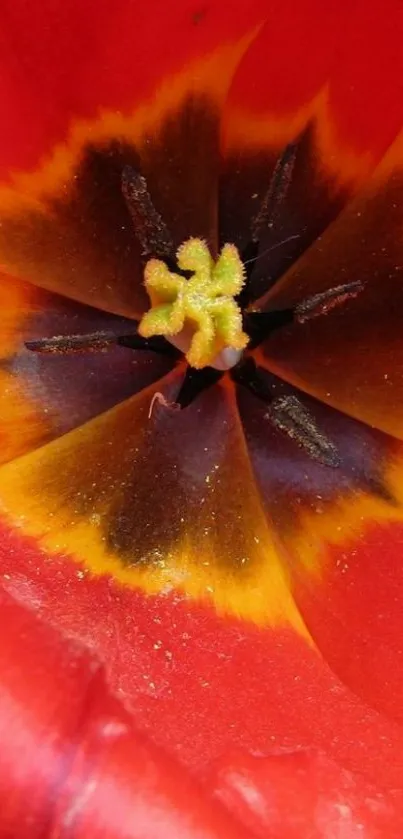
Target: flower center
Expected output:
[200,307]
[198,315]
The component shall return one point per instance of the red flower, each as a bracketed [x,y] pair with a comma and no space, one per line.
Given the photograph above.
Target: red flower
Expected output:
[235,563]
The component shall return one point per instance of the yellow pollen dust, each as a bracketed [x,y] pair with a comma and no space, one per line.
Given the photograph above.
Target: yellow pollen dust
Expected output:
[203,305]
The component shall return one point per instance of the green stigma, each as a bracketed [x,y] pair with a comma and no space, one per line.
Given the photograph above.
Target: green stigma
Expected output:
[201,312]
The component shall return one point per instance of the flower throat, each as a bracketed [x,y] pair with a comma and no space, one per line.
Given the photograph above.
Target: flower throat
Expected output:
[200,309]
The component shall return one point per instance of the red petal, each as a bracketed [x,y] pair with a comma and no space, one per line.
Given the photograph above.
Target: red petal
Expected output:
[316,59]
[202,685]
[76,736]
[342,529]
[87,770]
[301,794]
[71,61]
[245,684]
[308,78]
[67,228]
[199,683]
[138,98]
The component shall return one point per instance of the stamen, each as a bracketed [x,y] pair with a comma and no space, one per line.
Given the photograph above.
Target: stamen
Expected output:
[267,215]
[290,416]
[323,302]
[260,325]
[199,315]
[99,342]
[276,193]
[70,344]
[150,229]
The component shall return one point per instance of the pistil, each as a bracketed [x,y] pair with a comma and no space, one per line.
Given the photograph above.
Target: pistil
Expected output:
[199,315]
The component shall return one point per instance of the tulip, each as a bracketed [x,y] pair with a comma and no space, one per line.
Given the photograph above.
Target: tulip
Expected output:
[201,468]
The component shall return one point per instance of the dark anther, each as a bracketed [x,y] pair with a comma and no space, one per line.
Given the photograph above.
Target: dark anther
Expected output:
[267,214]
[260,325]
[323,302]
[195,382]
[149,227]
[276,193]
[288,414]
[70,344]
[99,342]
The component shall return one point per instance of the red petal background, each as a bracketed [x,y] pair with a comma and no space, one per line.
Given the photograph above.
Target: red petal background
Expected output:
[215,697]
